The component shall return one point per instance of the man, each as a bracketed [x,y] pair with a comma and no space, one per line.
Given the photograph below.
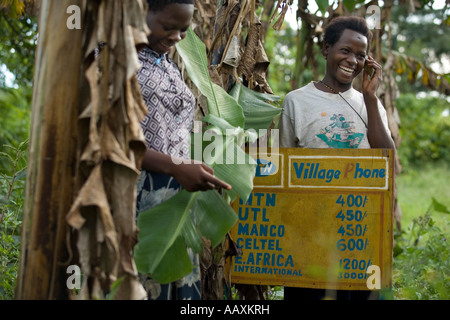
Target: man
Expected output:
[331,114]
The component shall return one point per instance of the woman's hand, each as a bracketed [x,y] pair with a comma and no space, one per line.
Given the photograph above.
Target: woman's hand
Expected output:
[196,176]
[192,175]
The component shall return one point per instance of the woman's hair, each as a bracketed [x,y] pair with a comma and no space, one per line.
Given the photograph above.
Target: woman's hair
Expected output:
[336,27]
[156,5]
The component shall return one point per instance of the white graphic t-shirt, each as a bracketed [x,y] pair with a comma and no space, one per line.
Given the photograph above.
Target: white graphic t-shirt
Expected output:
[312,118]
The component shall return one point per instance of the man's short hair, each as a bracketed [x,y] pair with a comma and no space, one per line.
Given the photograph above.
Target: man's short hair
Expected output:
[333,31]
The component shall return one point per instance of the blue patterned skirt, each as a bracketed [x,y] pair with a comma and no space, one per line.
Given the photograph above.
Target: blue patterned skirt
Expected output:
[152,190]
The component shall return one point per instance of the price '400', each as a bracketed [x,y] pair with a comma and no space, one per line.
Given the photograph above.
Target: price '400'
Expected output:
[352,200]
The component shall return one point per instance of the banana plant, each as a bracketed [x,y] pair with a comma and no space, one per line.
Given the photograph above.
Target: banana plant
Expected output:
[168,230]
[414,68]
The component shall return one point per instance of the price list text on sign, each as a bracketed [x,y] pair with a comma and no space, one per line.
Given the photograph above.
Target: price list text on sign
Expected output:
[317,218]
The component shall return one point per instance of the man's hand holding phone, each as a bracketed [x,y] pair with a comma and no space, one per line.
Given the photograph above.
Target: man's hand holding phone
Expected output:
[369,69]
[372,77]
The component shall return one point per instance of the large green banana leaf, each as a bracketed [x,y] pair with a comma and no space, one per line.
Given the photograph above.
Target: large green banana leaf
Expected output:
[242,107]
[168,229]
[259,113]
[180,222]
[222,152]
[193,52]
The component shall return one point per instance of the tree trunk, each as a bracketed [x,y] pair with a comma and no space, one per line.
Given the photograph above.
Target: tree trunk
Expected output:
[85,152]
[49,187]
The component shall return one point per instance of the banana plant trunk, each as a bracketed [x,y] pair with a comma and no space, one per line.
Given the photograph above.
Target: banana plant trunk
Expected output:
[49,186]
[85,150]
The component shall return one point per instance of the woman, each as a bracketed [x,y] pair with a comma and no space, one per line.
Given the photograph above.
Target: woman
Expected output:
[166,127]
[331,114]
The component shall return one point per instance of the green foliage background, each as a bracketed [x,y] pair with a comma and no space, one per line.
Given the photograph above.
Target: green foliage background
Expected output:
[12,183]
[425,129]
[18,38]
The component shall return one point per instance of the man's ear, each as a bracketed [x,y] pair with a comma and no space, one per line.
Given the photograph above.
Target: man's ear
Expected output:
[325,49]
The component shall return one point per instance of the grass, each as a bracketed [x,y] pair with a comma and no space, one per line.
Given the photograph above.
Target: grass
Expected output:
[421,268]
[417,186]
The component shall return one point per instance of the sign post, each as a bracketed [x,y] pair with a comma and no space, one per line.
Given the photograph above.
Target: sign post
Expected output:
[317,218]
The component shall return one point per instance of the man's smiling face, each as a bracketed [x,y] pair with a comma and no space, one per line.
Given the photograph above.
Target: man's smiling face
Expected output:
[346,58]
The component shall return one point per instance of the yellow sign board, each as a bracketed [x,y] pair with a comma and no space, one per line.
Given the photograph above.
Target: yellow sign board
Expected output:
[317,218]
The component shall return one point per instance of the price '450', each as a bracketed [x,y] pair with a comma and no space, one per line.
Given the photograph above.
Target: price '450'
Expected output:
[351,215]
[353,230]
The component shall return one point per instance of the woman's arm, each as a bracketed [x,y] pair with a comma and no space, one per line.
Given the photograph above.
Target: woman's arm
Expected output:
[193,176]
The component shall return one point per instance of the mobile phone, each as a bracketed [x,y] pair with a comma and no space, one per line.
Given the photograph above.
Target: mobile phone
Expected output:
[370,71]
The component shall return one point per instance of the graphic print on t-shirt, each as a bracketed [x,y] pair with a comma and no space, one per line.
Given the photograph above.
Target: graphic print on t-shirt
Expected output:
[340,133]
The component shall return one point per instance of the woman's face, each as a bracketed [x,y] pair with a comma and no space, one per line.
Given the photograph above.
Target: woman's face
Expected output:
[346,58]
[168,26]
